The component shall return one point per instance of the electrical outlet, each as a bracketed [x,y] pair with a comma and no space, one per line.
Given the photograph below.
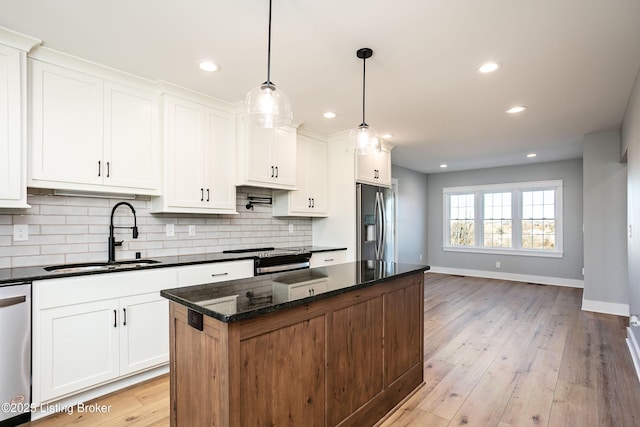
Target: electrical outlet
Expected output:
[290,228]
[420,257]
[170,230]
[498,264]
[192,230]
[20,232]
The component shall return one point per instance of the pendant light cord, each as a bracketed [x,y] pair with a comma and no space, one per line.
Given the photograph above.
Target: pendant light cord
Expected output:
[269,49]
[364,78]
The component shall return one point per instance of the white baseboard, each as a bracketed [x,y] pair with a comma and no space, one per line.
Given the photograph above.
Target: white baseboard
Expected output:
[635,350]
[605,307]
[67,404]
[542,280]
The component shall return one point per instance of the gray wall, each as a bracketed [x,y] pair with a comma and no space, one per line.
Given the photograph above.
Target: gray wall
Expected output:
[411,225]
[568,267]
[631,144]
[605,219]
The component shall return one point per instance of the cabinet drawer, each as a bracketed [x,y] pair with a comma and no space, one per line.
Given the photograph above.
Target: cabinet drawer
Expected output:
[321,259]
[215,272]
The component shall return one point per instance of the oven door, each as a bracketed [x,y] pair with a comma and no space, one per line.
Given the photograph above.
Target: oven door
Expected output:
[276,264]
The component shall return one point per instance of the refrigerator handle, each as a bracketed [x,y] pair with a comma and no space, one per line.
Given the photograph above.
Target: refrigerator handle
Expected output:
[383,226]
[377,222]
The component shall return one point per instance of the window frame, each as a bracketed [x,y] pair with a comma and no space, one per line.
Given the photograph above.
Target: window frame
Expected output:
[516,189]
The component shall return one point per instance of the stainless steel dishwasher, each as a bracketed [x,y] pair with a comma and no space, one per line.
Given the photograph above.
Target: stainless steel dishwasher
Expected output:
[15,353]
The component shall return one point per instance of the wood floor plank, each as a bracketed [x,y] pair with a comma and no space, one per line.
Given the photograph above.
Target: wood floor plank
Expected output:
[497,353]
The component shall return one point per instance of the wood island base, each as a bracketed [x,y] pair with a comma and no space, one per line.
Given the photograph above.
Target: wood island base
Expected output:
[345,360]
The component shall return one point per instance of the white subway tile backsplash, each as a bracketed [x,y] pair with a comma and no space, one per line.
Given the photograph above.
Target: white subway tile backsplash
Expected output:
[66,229]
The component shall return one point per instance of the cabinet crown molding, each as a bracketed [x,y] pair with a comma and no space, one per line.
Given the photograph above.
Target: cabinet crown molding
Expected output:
[18,40]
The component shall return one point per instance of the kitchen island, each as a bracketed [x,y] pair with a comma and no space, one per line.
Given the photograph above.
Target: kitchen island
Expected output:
[338,345]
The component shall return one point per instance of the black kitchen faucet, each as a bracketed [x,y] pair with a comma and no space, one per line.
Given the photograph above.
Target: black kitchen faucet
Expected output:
[112,239]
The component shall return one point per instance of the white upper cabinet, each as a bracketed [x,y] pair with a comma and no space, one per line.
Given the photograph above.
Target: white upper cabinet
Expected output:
[199,158]
[310,198]
[374,168]
[266,157]
[90,133]
[13,135]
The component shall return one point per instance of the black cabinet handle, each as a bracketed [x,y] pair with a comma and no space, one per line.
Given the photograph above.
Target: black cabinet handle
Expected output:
[272,170]
[219,274]
[309,202]
[124,310]
[276,171]
[207,194]
[99,167]
[313,203]
[115,318]
[108,170]
[202,194]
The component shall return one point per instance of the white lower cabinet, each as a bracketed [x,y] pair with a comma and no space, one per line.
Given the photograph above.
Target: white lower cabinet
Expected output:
[144,332]
[78,347]
[90,330]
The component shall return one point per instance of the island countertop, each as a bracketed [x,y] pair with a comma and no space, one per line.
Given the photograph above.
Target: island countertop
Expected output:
[243,299]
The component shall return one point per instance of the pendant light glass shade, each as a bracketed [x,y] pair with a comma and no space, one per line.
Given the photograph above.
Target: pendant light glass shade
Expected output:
[364,138]
[265,105]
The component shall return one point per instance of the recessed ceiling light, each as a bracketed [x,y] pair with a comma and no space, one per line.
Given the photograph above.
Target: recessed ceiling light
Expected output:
[387,136]
[443,165]
[531,155]
[488,67]
[517,109]
[209,66]
[329,115]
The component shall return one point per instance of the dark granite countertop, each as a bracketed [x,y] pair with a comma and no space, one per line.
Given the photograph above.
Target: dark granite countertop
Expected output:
[243,299]
[28,274]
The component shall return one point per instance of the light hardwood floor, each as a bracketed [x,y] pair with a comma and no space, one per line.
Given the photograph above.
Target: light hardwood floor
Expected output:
[497,353]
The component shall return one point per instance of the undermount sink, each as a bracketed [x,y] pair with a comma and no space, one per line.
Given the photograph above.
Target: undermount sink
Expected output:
[99,266]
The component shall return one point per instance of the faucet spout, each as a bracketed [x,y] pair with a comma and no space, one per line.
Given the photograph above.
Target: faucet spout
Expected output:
[112,239]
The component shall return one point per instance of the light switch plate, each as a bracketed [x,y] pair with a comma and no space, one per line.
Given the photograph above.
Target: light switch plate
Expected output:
[20,232]
[170,230]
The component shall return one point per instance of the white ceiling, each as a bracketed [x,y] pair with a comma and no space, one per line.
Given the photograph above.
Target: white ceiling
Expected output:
[572,62]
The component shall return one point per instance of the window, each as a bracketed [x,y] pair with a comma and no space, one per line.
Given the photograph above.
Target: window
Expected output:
[497,220]
[522,218]
[461,221]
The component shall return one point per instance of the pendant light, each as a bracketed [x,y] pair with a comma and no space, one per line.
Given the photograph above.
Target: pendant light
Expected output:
[265,105]
[364,137]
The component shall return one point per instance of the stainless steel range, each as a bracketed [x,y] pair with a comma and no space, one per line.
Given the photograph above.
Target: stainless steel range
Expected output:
[271,260]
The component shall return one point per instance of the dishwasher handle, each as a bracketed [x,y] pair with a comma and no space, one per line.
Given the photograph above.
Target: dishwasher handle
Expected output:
[8,302]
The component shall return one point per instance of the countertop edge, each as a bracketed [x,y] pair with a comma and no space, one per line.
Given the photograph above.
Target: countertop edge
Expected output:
[30,275]
[232,318]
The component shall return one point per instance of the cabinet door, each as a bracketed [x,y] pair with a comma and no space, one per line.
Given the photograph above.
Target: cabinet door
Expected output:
[131,135]
[300,199]
[67,125]
[355,358]
[260,167]
[364,168]
[219,145]
[382,167]
[403,314]
[144,332]
[12,183]
[185,180]
[317,176]
[282,378]
[284,156]
[79,347]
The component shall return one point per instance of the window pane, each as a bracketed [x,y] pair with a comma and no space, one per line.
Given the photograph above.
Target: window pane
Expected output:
[538,220]
[497,226]
[461,220]
[462,233]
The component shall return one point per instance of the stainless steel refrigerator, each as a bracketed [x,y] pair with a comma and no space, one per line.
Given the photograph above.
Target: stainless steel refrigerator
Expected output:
[376,223]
